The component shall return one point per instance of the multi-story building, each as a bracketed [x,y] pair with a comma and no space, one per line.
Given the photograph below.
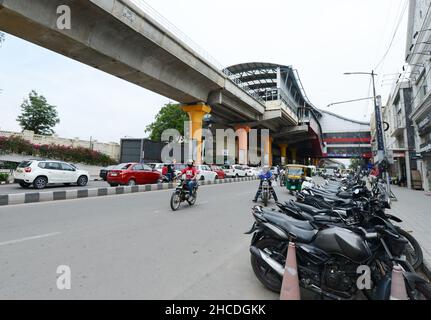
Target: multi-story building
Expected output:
[399,134]
[418,54]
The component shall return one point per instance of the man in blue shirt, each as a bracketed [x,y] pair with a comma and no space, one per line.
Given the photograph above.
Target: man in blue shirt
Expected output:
[265,174]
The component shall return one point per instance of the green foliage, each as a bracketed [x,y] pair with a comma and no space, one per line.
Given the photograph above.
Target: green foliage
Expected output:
[4,177]
[169,117]
[8,165]
[52,151]
[37,115]
[355,163]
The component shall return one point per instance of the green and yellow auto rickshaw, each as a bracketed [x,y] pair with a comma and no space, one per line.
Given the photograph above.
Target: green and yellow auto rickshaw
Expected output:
[295,175]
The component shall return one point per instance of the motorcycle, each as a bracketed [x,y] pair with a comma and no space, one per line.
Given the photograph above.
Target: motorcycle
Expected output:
[353,198]
[182,194]
[329,256]
[265,194]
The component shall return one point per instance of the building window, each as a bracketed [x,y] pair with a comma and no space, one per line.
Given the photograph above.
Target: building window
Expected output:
[422,87]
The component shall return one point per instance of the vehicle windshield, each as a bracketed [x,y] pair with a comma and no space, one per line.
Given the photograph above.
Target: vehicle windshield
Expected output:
[295,171]
[123,166]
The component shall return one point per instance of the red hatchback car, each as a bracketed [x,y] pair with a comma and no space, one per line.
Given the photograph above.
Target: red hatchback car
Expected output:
[132,174]
[219,171]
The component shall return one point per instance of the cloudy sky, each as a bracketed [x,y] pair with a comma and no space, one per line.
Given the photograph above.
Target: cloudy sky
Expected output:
[321,38]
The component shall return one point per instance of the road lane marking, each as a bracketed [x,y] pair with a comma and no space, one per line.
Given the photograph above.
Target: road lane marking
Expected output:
[29,238]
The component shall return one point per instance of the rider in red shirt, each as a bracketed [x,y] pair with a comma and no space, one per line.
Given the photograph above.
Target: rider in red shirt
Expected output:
[191,174]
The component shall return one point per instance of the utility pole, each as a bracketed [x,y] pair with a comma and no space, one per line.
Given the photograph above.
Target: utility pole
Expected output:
[381,152]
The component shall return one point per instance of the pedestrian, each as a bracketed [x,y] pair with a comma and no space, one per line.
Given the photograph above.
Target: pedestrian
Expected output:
[171,171]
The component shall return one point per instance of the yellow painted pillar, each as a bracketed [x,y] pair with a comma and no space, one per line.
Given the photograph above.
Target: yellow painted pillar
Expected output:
[294,155]
[242,133]
[283,151]
[196,114]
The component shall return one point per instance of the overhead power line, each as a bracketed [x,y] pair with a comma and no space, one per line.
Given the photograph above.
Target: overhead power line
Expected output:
[397,26]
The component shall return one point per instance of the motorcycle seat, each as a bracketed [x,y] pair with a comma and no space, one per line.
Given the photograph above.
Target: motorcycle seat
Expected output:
[344,195]
[310,209]
[302,230]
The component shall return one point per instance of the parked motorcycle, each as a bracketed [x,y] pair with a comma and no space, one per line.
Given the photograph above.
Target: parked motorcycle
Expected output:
[182,194]
[355,196]
[328,256]
[337,227]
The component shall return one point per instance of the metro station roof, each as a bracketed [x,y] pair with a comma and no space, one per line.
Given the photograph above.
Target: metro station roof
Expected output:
[261,77]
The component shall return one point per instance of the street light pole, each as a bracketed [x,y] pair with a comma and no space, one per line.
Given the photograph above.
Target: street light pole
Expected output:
[381,152]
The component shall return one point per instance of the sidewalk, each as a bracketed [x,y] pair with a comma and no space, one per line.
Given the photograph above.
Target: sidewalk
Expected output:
[414,208]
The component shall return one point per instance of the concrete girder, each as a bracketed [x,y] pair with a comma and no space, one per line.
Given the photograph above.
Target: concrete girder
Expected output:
[110,42]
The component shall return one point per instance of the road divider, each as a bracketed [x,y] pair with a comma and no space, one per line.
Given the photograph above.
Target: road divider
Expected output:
[45,196]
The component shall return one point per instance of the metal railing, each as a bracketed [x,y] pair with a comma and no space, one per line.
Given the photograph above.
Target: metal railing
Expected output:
[198,50]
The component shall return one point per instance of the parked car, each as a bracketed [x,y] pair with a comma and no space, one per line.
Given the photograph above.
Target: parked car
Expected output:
[219,171]
[104,172]
[42,173]
[157,166]
[133,174]
[179,167]
[251,172]
[205,173]
[234,171]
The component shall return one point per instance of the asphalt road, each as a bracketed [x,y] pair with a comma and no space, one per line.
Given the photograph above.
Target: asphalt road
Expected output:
[15,188]
[132,247]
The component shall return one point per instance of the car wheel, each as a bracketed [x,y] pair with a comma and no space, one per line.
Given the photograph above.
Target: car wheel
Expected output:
[40,182]
[131,183]
[202,178]
[82,181]
[216,177]
[237,176]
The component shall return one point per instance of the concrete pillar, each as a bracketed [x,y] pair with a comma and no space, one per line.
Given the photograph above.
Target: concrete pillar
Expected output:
[294,152]
[268,151]
[242,133]
[283,151]
[196,114]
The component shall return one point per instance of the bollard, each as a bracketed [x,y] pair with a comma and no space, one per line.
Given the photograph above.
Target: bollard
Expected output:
[290,285]
[398,286]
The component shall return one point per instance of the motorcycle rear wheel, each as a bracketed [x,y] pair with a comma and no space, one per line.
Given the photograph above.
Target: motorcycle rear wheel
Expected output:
[175,201]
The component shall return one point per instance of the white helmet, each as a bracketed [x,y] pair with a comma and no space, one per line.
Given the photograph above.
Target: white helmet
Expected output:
[190,163]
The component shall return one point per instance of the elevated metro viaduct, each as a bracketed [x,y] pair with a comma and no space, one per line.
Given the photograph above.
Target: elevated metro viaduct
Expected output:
[127,40]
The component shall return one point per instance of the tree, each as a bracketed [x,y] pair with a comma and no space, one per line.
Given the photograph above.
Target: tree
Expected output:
[37,115]
[169,117]
[355,163]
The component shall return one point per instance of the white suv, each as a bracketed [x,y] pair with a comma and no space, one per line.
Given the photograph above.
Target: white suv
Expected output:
[205,173]
[41,173]
[234,171]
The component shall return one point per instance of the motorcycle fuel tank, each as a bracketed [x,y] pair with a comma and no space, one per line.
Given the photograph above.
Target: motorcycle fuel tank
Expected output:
[343,242]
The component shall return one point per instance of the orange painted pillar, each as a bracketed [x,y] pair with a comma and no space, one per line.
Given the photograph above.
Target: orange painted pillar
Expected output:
[283,151]
[268,151]
[196,114]
[242,133]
